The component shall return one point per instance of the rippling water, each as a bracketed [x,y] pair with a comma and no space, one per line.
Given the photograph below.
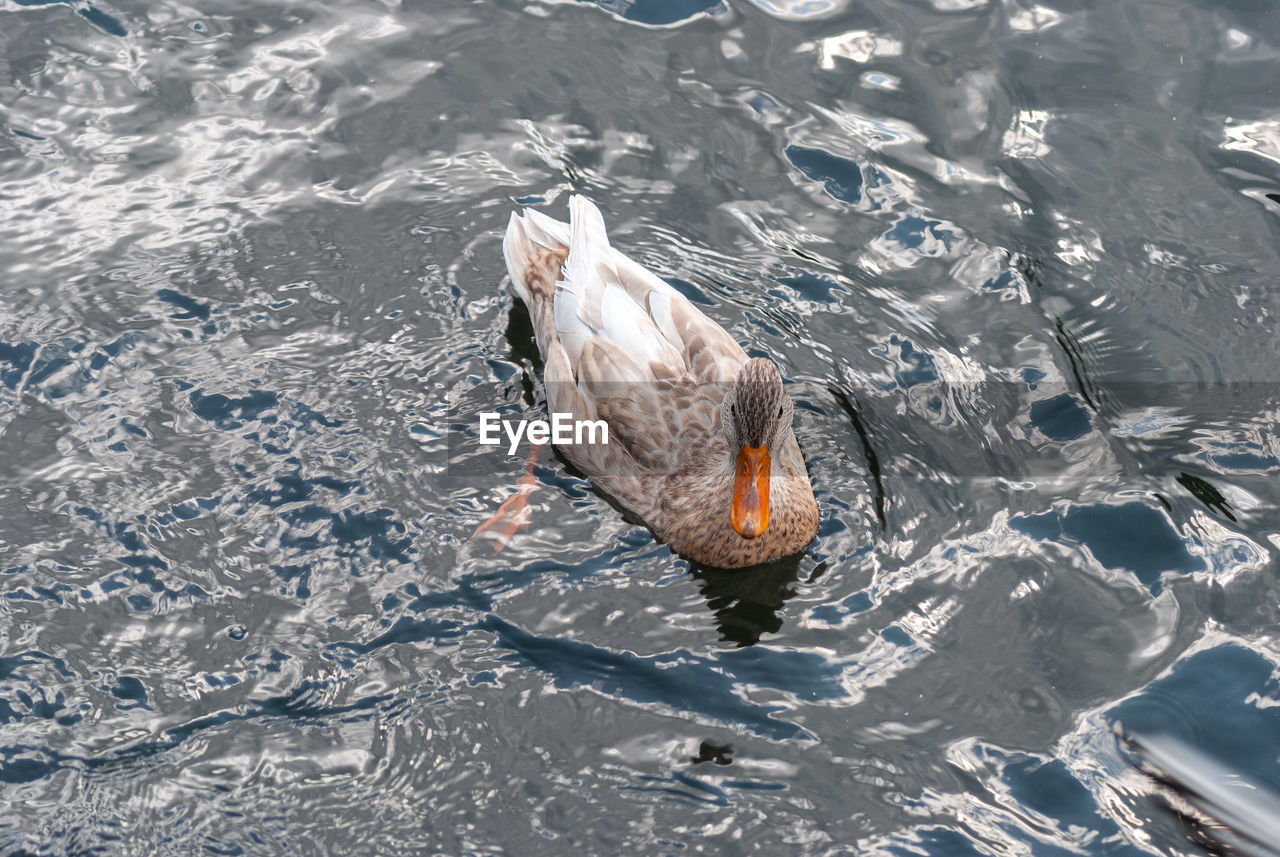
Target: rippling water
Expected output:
[1017,263]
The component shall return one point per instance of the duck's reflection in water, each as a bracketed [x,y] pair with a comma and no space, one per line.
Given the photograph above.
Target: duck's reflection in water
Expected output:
[747,602]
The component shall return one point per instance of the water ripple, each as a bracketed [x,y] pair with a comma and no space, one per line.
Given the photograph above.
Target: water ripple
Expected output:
[1014,261]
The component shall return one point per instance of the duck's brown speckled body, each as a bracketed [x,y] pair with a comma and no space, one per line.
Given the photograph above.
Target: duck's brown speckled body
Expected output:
[679,395]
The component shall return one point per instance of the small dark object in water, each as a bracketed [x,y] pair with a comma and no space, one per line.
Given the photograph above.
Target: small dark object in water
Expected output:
[721,754]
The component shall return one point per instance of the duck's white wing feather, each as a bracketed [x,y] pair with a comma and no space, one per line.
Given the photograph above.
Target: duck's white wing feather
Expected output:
[603,296]
[592,303]
[549,232]
[707,350]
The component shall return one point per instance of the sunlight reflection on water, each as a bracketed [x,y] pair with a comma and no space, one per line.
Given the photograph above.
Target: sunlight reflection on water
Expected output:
[1014,261]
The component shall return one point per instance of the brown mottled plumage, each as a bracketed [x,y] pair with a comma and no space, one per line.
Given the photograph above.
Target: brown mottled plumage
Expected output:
[678,393]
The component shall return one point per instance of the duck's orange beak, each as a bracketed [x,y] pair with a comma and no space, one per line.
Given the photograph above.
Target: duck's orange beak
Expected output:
[750,512]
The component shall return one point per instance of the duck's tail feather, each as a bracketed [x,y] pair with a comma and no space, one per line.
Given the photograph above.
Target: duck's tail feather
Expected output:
[580,290]
[531,241]
[594,303]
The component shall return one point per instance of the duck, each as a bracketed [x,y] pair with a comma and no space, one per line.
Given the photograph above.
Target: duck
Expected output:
[699,443]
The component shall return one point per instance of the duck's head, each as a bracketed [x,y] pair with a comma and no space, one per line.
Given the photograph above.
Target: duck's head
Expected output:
[756,417]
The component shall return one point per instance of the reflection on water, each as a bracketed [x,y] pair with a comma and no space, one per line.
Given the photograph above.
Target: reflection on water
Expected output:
[749,602]
[1221,809]
[1015,262]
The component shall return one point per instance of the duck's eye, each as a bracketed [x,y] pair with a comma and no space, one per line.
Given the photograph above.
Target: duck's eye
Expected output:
[733,412]
[779,413]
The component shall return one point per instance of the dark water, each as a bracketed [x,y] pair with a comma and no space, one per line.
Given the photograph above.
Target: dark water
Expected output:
[1017,263]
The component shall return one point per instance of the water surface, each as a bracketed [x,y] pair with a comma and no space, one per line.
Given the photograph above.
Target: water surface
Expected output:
[1016,262]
